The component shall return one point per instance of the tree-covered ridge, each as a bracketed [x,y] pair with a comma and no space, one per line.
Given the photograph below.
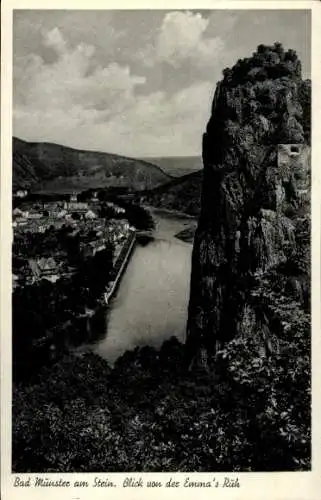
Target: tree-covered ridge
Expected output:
[268,62]
[53,168]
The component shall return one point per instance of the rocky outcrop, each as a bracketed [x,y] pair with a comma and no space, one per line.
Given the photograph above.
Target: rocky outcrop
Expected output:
[251,248]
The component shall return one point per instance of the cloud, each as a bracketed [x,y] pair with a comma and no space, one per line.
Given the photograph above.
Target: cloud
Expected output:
[70,83]
[31,29]
[55,40]
[182,38]
[86,78]
[162,125]
[71,102]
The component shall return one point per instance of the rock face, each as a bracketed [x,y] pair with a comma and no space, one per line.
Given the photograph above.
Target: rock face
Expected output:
[252,242]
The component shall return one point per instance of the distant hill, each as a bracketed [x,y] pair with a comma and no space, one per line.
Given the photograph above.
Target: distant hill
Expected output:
[182,194]
[177,165]
[52,168]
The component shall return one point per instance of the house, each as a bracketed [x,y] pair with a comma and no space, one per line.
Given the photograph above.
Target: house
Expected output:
[90,249]
[98,245]
[294,162]
[292,154]
[33,214]
[17,212]
[119,210]
[43,268]
[75,206]
[20,221]
[49,269]
[53,212]
[52,205]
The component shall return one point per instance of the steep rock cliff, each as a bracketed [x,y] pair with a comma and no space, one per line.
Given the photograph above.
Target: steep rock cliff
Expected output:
[251,249]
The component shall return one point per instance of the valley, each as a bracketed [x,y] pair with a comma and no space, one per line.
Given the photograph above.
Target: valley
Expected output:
[203,362]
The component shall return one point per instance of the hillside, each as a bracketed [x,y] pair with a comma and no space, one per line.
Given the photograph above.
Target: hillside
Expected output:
[182,194]
[46,167]
[177,166]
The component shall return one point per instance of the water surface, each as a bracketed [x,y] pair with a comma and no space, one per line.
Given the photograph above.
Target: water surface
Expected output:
[151,302]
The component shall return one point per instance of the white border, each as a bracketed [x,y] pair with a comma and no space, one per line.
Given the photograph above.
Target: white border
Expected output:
[274,486]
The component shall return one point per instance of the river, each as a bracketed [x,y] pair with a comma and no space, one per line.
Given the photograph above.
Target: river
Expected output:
[151,302]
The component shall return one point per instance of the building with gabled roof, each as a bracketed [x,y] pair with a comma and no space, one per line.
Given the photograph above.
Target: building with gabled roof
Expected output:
[43,268]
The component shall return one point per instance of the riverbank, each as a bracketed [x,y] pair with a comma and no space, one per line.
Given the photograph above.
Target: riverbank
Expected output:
[188,234]
[120,266]
[152,298]
[190,222]
[90,316]
[169,213]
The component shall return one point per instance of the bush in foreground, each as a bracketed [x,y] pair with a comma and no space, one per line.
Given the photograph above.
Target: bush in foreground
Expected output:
[149,414]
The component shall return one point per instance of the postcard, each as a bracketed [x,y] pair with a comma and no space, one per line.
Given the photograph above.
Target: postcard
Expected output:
[160,250]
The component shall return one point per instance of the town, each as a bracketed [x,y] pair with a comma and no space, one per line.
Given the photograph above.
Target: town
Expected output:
[82,221]
[68,255]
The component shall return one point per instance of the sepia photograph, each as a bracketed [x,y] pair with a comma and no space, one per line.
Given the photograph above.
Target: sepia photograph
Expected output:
[161,241]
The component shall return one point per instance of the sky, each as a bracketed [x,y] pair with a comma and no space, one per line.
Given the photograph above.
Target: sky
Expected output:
[136,83]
